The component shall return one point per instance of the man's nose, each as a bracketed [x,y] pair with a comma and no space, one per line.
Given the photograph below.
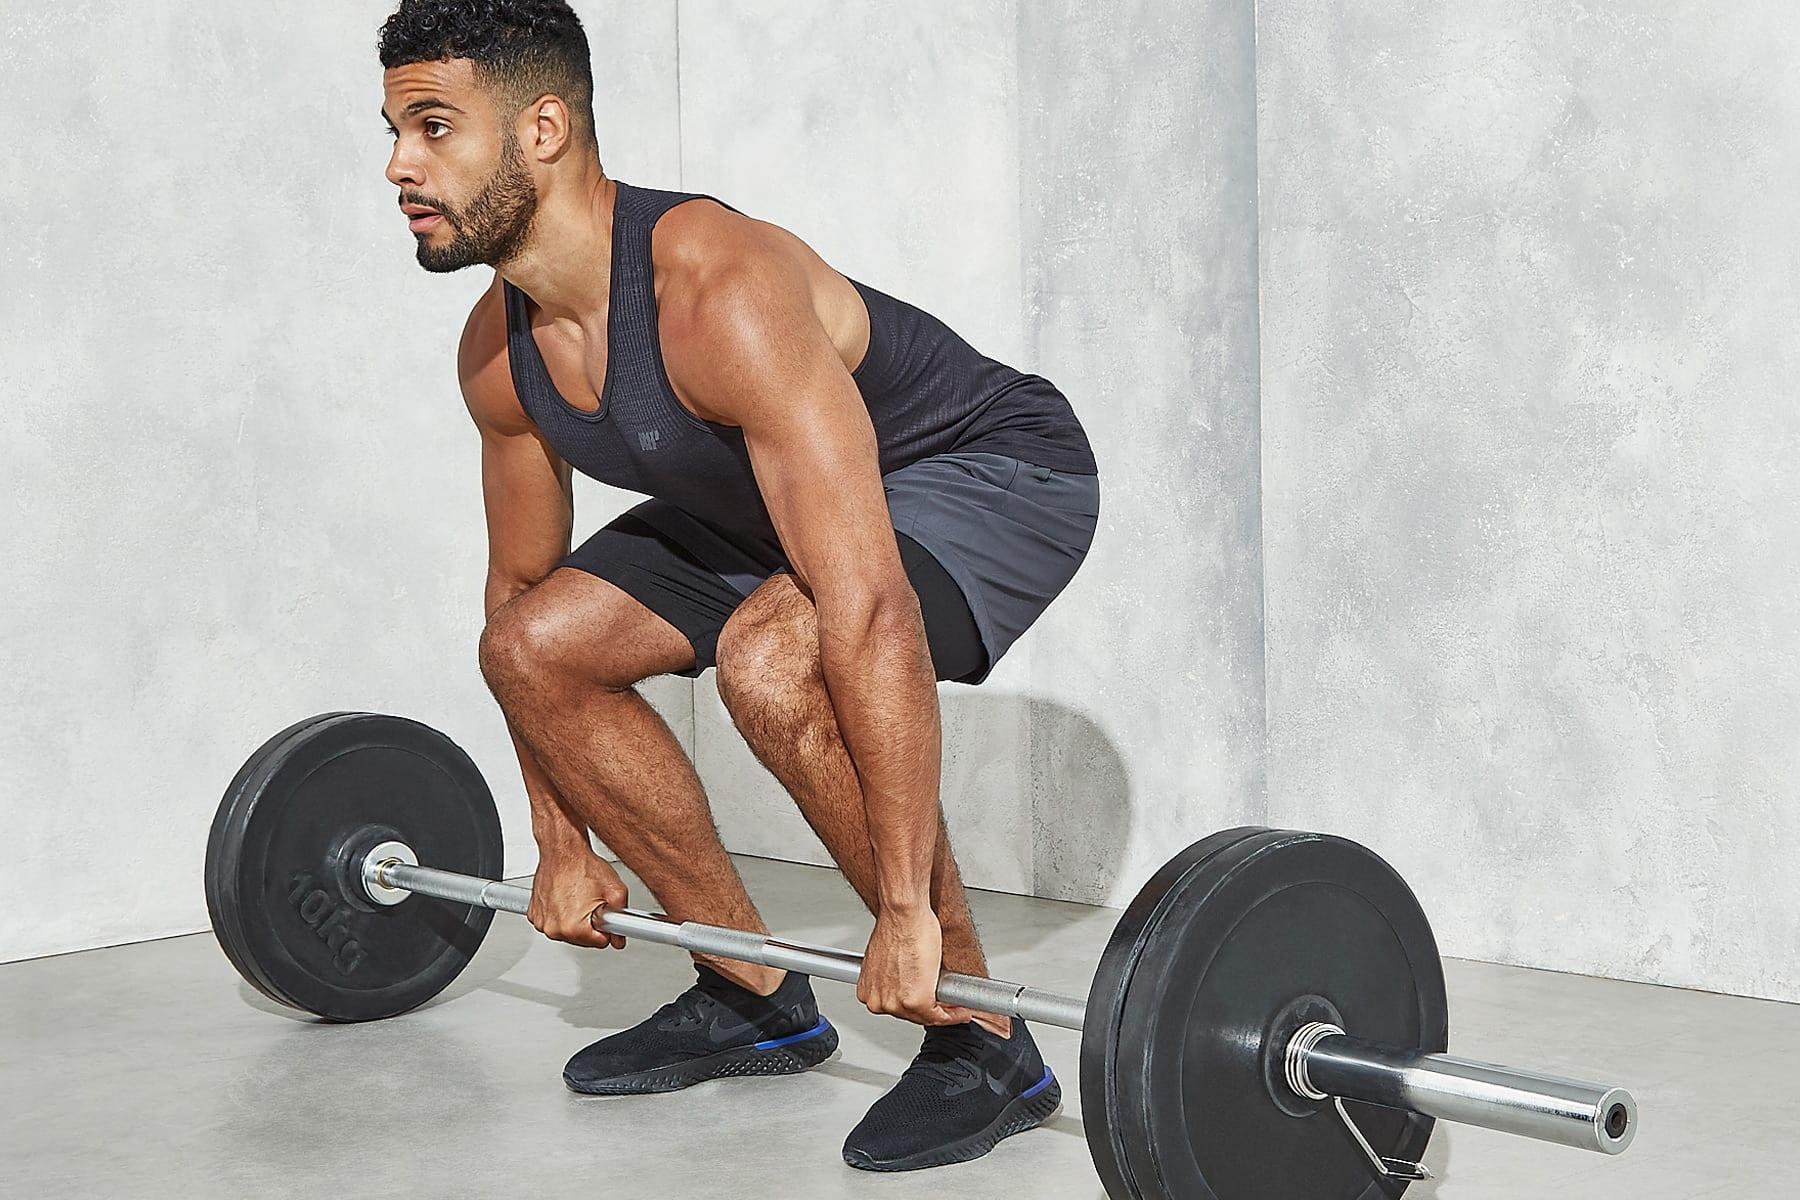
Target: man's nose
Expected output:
[401,171]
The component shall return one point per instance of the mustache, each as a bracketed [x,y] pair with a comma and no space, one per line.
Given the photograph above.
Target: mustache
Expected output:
[426,202]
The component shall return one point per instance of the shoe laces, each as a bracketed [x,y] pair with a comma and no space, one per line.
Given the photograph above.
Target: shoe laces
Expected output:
[685,1010]
[950,1055]
[706,994]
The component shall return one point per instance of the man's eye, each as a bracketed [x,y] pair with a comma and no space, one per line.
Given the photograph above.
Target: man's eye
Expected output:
[429,127]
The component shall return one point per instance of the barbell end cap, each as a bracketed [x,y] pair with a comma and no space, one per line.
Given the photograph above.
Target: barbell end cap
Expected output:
[1618,1121]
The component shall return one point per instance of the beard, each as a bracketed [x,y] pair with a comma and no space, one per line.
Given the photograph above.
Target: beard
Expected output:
[493,227]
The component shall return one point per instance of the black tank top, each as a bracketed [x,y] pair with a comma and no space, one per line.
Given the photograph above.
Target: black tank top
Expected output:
[927,391]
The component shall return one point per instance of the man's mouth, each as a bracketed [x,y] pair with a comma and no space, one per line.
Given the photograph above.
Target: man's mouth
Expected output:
[419,218]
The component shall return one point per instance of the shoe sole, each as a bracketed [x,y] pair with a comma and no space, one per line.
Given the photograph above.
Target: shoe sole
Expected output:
[1024,1112]
[778,1056]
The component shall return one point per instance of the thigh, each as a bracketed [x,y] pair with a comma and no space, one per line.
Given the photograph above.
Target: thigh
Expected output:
[573,623]
[636,555]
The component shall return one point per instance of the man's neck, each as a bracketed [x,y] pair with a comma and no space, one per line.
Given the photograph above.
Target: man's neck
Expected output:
[567,268]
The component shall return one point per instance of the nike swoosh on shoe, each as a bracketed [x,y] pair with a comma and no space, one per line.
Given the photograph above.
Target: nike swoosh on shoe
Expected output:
[720,1032]
[968,1078]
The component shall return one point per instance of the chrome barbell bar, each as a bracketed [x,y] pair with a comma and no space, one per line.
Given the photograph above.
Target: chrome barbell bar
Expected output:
[1322,1061]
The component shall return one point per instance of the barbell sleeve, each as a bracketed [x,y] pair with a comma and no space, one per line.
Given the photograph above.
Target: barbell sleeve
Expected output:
[1587,1116]
[1324,1063]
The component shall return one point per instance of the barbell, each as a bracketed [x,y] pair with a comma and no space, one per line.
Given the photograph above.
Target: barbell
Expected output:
[1261,983]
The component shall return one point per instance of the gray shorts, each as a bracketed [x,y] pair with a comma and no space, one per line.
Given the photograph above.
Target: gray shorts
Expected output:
[1010,534]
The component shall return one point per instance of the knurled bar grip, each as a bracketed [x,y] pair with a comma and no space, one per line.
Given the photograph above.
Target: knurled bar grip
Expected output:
[827,962]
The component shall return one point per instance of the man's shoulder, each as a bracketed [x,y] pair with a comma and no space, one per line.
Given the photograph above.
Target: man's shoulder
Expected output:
[700,242]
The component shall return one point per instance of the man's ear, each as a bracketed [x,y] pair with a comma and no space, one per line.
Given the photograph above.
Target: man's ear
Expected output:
[552,129]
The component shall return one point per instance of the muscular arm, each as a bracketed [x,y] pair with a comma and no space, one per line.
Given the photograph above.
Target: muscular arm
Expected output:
[743,339]
[526,492]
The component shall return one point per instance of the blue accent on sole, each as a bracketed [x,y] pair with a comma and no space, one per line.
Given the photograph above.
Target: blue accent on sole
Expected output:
[1040,1085]
[814,1032]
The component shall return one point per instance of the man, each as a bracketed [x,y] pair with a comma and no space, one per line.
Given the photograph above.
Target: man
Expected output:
[848,503]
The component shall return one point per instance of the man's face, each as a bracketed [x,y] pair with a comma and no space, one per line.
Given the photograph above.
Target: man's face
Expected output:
[454,154]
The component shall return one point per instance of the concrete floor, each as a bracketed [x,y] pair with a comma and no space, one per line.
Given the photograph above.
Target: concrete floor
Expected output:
[152,1070]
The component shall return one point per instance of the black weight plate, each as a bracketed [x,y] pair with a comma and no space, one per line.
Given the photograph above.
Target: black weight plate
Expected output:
[1100,1043]
[1275,929]
[288,838]
[225,931]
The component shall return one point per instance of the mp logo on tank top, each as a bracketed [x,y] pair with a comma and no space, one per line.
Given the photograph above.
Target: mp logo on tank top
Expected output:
[647,438]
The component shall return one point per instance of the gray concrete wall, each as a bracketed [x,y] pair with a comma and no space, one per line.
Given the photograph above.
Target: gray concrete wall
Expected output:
[1144,688]
[242,486]
[1071,187]
[1529,278]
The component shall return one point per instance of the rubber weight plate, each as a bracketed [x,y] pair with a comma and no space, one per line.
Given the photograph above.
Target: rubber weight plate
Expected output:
[1100,1040]
[225,932]
[286,847]
[1254,939]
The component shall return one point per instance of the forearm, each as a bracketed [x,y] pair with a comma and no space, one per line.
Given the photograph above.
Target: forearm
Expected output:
[877,667]
[554,825]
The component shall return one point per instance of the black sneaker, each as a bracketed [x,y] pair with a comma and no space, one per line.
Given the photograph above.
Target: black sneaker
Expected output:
[965,1091]
[713,1029]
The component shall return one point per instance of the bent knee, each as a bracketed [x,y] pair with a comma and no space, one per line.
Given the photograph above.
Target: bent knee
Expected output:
[766,656]
[516,648]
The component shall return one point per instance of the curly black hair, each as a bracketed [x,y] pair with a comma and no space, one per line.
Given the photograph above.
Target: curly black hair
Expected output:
[522,49]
